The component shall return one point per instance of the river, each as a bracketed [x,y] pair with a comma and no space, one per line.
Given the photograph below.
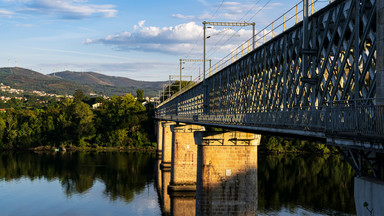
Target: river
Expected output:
[121,183]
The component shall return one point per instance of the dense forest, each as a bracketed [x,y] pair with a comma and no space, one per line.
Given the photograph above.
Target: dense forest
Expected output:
[121,121]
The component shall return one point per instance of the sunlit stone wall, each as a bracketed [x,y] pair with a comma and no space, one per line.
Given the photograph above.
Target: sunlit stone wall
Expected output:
[227,174]
[167,145]
[184,154]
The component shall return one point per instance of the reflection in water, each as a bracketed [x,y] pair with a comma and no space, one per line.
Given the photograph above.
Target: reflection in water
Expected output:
[123,174]
[235,195]
[158,179]
[166,200]
[177,203]
[291,184]
[183,205]
[316,184]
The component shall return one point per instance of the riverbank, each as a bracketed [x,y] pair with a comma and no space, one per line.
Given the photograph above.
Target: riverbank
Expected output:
[90,149]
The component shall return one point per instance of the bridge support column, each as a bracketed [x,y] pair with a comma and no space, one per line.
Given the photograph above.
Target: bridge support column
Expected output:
[166,200]
[159,130]
[184,158]
[380,52]
[167,146]
[226,173]
[182,188]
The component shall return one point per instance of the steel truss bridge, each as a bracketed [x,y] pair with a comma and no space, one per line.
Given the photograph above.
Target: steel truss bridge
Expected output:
[323,90]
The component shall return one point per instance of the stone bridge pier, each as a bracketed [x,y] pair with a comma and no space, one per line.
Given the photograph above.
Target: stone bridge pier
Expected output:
[159,133]
[205,172]
[166,146]
[164,152]
[182,188]
[184,158]
[226,173]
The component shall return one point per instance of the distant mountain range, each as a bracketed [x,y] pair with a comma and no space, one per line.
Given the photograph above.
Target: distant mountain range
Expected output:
[67,82]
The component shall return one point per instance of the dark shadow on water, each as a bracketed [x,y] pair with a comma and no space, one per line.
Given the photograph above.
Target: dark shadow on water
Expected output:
[123,173]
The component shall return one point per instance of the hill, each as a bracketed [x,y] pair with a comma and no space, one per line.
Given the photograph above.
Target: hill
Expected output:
[109,85]
[67,82]
[29,80]
[109,82]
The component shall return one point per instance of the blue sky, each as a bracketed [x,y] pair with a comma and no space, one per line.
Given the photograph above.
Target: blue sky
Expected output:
[138,39]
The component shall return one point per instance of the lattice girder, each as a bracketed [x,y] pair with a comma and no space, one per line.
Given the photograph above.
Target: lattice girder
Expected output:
[269,86]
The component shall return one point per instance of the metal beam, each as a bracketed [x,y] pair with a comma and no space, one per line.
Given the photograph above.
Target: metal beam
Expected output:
[194,60]
[229,23]
[226,24]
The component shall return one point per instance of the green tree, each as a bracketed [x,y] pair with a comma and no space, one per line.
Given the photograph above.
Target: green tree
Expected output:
[11,130]
[79,95]
[82,125]
[140,94]
[29,128]
[121,120]
[2,130]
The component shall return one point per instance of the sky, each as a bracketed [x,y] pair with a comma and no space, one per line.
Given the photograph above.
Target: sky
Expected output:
[137,39]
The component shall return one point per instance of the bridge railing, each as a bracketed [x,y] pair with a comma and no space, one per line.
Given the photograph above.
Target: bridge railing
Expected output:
[358,118]
[355,118]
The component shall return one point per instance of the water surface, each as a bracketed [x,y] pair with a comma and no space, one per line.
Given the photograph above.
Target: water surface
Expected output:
[292,184]
[77,184]
[120,183]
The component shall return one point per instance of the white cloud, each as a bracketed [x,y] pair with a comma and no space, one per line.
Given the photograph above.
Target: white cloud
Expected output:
[70,9]
[16,0]
[141,23]
[185,17]
[180,39]
[152,38]
[87,41]
[5,13]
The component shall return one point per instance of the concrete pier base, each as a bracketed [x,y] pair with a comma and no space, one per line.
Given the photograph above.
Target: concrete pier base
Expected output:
[227,173]
[184,158]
